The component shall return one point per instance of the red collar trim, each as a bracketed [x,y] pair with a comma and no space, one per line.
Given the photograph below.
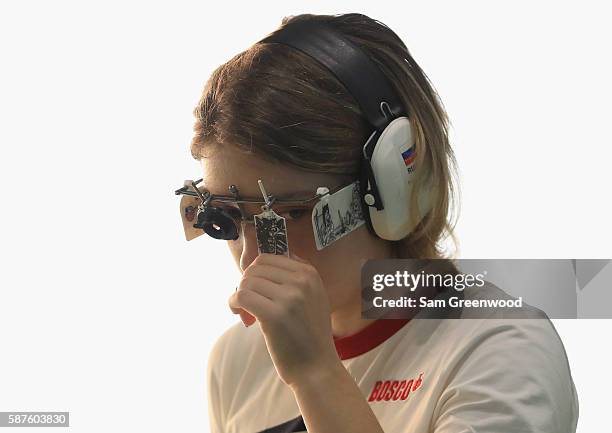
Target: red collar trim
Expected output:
[367,338]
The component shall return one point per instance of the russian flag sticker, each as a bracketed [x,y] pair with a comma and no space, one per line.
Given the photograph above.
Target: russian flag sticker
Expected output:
[409,156]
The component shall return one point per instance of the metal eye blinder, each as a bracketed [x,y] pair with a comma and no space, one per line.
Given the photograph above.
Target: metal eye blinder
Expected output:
[218,223]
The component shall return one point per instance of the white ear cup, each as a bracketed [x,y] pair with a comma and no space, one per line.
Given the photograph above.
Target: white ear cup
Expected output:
[394,179]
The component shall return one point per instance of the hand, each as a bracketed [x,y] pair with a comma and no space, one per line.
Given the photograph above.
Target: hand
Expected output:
[287,296]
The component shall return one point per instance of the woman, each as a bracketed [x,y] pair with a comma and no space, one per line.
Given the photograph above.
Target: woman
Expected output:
[305,358]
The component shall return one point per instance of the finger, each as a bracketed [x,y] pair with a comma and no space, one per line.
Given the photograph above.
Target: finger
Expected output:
[263,286]
[260,285]
[270,272]
[252,302]
[280,261]
[245,316]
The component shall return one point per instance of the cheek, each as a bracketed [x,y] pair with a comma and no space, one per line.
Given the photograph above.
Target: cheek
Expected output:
[301,242]
[340,267]
[341,277]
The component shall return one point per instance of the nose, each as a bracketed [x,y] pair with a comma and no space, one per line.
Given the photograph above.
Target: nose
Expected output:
[249,245]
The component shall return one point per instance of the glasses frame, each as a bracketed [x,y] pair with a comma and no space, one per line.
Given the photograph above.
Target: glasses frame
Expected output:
[206,197]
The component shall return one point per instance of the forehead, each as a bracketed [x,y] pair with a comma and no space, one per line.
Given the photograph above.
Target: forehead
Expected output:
[225,165]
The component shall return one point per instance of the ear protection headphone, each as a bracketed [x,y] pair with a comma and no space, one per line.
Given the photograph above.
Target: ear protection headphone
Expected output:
[387,166]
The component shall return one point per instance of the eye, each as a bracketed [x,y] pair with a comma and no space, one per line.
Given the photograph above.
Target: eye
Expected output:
[293,214]
[232,212]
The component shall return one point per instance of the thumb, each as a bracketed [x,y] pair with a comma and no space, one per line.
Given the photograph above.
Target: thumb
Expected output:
[246,317]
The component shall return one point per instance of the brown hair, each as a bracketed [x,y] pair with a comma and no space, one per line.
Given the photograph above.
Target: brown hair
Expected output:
[280,104]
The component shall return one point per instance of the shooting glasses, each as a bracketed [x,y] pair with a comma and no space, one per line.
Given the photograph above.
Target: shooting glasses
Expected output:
[200,211]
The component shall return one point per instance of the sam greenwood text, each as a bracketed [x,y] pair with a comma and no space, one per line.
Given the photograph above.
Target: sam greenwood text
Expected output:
[453,302]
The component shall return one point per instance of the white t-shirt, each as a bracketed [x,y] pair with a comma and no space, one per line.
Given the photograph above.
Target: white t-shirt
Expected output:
[467,375]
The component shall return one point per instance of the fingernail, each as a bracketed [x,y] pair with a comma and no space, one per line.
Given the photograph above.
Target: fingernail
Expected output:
[247,318]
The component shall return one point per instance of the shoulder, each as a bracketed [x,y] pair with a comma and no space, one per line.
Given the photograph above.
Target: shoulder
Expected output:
[236,353]
[520,341]
[505,330]
[507,371]
[490,292]
[232,348]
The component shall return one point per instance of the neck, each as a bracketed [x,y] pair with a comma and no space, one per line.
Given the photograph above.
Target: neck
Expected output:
[348,321]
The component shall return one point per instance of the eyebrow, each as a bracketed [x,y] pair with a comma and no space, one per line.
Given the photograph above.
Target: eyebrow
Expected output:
[304,195]
[297,195]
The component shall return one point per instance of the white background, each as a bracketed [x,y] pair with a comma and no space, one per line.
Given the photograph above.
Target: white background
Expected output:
[107,312]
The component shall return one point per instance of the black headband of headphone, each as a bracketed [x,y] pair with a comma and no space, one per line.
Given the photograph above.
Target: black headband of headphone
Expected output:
[359,74]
